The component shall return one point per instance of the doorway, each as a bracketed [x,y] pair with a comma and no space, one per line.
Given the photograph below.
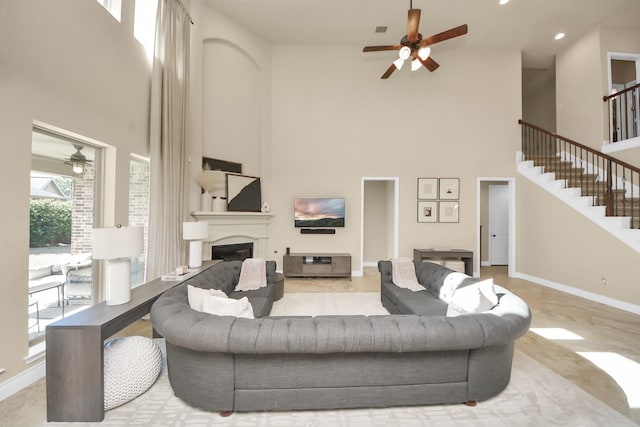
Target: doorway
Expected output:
[379,220]
[65,181]
[624,73]
[496,222]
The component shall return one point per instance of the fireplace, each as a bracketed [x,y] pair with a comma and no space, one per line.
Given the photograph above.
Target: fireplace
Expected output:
[233,228]
[237,251]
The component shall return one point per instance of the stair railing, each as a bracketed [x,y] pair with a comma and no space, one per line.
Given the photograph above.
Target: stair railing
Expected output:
[611,182]
[623,108]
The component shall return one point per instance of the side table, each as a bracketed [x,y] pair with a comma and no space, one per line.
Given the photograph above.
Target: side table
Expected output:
[464,255]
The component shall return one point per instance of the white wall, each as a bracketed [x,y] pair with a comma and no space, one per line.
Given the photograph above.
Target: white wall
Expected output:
[230,101]
[71,65]
[579,87]
[539,97]
[335,121]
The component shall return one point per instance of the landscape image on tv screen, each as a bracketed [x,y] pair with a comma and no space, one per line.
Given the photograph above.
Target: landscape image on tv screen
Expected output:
[319,212]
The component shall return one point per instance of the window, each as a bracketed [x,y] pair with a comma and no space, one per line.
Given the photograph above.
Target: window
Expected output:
[139,181]
[144,24]
[113,6]
[64,178]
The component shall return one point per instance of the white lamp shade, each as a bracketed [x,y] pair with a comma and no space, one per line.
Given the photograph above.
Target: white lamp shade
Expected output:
[404,53]
[415,65]
[398,63]
[195,230]
[117,242]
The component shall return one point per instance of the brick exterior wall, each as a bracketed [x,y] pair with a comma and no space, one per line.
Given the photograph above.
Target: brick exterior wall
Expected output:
[139,188]
[82,211]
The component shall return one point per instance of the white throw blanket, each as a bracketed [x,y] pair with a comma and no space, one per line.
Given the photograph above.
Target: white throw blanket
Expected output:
[403,274]
[253,274]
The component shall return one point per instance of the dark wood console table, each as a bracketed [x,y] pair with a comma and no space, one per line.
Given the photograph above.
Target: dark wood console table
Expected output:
[464,255]
[317,265]
[75,344]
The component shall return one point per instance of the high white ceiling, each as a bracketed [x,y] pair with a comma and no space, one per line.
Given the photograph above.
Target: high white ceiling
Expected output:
[526,25]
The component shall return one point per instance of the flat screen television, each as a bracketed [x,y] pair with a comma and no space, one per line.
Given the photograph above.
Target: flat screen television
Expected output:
[318,212]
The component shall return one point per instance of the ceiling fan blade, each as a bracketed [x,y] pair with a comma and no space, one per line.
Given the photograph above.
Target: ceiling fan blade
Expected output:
[381,48]
[445,35]
[429,64]
[413,22]
[389,71]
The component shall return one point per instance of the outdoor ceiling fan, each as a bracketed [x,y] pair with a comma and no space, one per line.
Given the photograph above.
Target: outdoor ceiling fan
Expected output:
[412,45]
[77,160]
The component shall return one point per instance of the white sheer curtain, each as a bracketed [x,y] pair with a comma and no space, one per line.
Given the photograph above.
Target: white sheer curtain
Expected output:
[168,139]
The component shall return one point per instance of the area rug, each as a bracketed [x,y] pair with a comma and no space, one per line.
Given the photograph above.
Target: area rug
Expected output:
[536,396]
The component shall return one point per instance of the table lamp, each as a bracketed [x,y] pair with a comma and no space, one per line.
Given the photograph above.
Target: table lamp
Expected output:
[195,232]
[117,245]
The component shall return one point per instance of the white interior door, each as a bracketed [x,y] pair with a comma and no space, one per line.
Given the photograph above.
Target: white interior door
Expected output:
[499,224]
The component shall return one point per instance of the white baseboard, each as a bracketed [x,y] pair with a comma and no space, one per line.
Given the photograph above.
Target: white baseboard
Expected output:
[370,264]
[485,263]
[612,302]
[22,380]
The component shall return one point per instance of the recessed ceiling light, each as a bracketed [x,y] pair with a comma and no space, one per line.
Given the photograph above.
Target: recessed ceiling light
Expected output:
[504,2]
[559,36]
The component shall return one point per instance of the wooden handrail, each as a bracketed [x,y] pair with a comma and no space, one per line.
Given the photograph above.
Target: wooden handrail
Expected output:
[618,93]
[584,147]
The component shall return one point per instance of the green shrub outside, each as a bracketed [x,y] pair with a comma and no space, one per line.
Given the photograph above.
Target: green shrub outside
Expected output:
[50,222]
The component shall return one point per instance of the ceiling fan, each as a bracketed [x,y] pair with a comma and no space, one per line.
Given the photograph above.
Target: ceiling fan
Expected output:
[77,160]
[414,46]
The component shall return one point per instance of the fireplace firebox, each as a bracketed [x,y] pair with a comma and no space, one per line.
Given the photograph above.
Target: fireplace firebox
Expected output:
[237,251]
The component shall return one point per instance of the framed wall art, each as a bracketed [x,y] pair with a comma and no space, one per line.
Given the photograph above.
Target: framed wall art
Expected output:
[427,188]
[244,193]
[448,211]
[427,211]
[449,189]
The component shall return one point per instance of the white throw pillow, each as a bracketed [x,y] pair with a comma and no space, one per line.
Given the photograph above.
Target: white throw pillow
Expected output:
[450,283]
[403,274]
[475,298]
[196,295]
[227,306]
[253,275]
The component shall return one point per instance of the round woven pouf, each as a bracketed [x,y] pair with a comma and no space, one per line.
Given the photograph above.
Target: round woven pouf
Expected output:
[131,366]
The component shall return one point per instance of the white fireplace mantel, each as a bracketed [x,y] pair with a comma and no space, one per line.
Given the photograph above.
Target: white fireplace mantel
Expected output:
[227,228]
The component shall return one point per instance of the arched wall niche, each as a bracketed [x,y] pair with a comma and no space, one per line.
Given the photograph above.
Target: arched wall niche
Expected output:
[232,99]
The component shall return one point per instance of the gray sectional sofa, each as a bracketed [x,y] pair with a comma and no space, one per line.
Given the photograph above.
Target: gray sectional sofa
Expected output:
[415,357]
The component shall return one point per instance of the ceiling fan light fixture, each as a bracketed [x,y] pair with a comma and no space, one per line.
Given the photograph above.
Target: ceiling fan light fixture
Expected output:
[404,53]
[415,65]
[398,63]
[424,53]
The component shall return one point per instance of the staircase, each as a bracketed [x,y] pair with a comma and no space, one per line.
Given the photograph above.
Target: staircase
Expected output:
[602,188]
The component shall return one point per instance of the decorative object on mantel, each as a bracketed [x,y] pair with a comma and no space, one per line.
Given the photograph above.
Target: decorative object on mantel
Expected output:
[195,233]
[214,197]
[244,193]
[117,245]
[266,207]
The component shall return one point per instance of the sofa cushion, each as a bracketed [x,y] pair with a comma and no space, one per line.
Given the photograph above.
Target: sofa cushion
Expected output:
[196,296]
[227,306]
[432,277]
[409,302]
[475,298]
